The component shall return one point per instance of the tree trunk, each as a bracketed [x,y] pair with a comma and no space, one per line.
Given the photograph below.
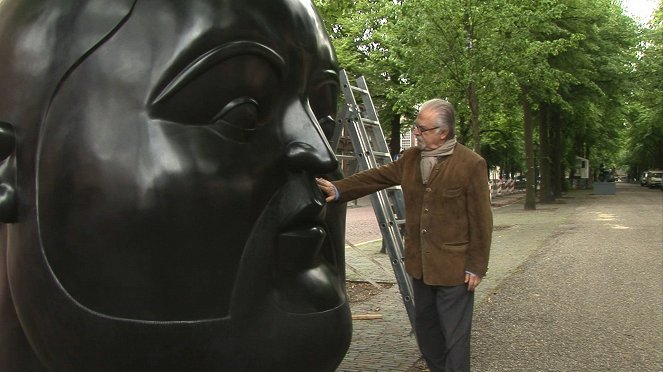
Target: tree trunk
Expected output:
[530,189]
[462,129]
[473,101]
[545,194]
[395,141]
[556,152]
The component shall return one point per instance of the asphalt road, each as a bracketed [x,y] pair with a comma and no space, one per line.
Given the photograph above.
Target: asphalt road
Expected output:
[589,298]
[573,286]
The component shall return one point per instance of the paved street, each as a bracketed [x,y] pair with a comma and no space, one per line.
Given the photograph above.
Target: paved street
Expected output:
[572,286]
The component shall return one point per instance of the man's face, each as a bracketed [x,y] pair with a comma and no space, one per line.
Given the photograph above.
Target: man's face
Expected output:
[426,132]
[177,162]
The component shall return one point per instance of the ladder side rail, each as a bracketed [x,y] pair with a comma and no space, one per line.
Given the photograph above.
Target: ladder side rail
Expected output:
[393,242]
[374,133]
[372,115]
[380,146]
[365,159]
[394,247]
[366,98]
[396,196]
[354,122]
[338,128]
[363,133]
[377,135]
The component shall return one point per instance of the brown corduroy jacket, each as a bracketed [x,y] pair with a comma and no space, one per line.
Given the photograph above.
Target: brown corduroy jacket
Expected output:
[448,222]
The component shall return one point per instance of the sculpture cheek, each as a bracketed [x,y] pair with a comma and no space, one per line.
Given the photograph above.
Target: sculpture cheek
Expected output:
[8,211]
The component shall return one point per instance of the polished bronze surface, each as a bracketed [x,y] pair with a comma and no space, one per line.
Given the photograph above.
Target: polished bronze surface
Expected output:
[157,164]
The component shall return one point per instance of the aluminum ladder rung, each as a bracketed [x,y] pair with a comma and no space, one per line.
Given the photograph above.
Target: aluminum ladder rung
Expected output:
[372,122]
[385,155]
[357,89]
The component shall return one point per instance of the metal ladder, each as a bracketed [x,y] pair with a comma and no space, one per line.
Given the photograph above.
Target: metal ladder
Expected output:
[370,150]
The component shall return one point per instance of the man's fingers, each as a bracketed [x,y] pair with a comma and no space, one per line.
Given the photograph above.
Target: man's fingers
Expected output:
[323,183]
[327,188]
[472,282]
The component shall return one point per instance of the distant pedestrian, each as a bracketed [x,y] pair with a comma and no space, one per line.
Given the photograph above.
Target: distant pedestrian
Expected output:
[448,230]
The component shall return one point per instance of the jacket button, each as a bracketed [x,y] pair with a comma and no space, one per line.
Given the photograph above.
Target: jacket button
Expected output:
[425,210]
[424,231]
[428,189]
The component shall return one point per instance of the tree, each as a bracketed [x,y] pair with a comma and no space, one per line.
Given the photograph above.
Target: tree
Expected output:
[644,134]
[567,65]
[593,84]
[360,33]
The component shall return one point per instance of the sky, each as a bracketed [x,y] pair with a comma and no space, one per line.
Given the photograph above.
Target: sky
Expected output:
[641,10]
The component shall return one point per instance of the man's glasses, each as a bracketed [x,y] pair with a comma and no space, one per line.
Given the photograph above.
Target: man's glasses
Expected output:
[421,129]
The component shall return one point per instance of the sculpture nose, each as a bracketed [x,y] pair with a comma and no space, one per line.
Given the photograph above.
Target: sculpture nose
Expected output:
[304,156]
[307,148]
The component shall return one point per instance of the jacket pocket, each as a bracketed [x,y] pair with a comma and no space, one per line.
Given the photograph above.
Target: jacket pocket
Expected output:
[456,246]
[452,192]
[446,264]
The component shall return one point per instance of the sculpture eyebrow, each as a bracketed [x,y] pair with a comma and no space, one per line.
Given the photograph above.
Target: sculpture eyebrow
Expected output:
[213,57]
[326,77]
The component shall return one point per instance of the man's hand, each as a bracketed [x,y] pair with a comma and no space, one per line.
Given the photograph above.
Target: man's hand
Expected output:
[327,188]
[472,281]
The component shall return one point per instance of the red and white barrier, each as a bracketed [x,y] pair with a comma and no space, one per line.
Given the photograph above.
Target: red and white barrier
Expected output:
[498,187]
[511,186]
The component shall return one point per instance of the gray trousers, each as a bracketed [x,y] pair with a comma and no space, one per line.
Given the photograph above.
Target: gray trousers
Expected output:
[443,322]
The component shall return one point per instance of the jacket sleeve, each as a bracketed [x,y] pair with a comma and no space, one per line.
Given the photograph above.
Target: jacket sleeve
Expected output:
[369,181]
[480,218]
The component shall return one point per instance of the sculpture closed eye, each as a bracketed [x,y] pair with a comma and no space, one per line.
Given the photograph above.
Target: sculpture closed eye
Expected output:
[237,121]
[217,82]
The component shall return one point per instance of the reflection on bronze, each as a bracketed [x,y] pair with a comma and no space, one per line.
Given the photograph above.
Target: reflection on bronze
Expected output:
[157,196]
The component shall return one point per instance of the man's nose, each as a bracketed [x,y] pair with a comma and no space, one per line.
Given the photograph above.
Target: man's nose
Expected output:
[306,146]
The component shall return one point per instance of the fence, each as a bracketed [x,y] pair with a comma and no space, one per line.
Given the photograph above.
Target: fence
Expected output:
[501,187]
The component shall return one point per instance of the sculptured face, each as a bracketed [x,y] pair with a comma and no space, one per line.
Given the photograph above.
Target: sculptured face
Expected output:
[166,145]
[175,171]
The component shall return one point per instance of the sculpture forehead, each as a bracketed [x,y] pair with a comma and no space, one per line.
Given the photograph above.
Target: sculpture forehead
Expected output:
[291,27]
[290,19]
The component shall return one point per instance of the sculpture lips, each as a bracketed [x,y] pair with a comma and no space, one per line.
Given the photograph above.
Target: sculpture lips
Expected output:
[299,249]
[306,280]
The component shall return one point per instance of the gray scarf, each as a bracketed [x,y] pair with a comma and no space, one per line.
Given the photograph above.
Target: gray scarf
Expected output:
[429,158]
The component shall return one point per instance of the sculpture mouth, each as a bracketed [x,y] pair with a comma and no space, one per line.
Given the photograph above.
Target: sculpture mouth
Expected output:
[306,266]
[306,276]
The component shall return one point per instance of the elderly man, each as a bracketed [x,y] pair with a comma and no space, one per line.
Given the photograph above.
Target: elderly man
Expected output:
[448,230]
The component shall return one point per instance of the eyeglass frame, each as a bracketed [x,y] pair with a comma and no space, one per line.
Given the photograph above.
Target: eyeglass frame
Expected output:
[418,127]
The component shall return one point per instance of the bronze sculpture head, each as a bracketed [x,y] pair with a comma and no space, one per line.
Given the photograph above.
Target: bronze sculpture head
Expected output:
[157,187]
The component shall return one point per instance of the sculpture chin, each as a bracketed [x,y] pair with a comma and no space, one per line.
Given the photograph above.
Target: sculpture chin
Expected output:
[296,326]
[307,282]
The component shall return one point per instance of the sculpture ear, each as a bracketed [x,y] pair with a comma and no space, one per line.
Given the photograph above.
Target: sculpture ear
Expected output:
[8,198]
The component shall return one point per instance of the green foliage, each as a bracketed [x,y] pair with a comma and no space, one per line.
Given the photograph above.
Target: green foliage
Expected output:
[583,58]
[644,139]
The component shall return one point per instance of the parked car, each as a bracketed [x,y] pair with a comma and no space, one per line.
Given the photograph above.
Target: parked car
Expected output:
[654,179]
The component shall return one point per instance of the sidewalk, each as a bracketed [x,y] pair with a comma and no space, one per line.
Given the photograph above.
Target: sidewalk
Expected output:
[387,344]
